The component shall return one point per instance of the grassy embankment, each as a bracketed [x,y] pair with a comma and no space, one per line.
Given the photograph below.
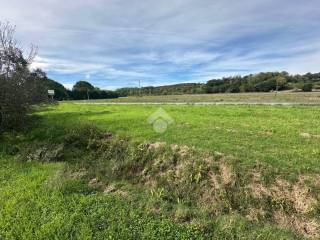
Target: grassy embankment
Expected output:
[224,171]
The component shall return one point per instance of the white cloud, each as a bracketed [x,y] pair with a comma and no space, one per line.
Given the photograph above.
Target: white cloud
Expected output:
[68,85]
[66,66]
[118,42]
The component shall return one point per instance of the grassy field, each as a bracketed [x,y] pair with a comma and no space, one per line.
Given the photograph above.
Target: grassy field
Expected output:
[37,202]
[272,135]
[281,97]
[222,172]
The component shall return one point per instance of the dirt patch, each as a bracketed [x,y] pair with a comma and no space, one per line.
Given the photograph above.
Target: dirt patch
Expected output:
[256,214]
[122,193]
[107,135]
[218,154]
[258,190]
[95,183]
[305,135]
[112,189]
[306,227]
[156,145]
[183,150]
[297,193]
[266,133]
[303,202]
[46,153]
[231,130]
[208,159]
[109,189]
[78,174]
[225,173]
[310,179]
[214,181]
[174,147]
[309,135]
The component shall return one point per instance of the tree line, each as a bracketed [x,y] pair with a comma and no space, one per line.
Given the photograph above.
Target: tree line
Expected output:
[261,82]
[81,90]
[264,82]
[183,88]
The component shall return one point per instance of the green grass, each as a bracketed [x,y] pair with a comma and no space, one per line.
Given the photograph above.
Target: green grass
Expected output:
[41,200]
[37,201]
[33,207]
[267,134]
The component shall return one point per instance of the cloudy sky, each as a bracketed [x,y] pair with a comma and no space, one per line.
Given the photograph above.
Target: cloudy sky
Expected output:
[116,43]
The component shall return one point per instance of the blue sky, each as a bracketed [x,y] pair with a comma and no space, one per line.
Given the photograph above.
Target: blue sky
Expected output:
[116,43]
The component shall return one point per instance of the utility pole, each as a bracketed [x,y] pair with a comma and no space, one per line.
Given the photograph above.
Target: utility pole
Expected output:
[139,88]
[277,86]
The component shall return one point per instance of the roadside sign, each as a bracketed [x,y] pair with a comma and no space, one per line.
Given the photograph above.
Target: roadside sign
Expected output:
[51,92]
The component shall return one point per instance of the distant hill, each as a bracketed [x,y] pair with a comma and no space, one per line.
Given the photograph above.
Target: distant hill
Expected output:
[261,82]
[182,88]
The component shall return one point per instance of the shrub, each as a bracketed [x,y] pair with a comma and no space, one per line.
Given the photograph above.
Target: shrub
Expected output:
[19,87]
[307,87]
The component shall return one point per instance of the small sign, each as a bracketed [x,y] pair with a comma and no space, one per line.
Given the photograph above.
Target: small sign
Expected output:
[51,92]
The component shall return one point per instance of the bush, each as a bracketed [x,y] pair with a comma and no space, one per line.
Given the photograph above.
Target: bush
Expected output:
[307,87]
[19,87]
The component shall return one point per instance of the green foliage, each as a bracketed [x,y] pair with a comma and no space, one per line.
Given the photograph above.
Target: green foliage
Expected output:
[60,92]
[84,90]
[83,86]
[183,88]
[19,87]
[307,87]
[92,94]
[261,82]
[81,90]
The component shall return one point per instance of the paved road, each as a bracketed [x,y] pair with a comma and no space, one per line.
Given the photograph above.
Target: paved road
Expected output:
[199,103]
